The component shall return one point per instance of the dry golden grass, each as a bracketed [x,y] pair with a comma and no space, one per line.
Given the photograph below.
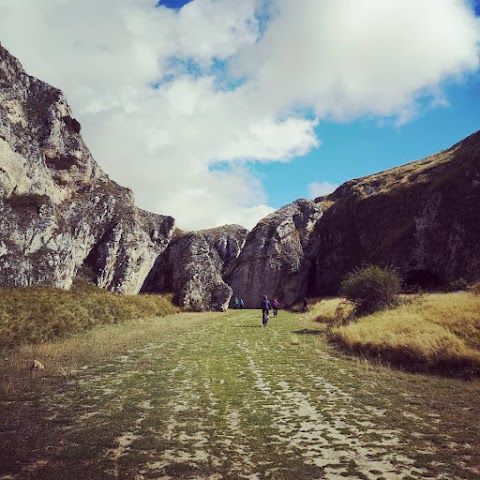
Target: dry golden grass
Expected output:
[431,333]
[36,315]
[332,311]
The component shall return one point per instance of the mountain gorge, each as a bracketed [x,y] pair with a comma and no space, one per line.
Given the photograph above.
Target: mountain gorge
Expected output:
[62,217]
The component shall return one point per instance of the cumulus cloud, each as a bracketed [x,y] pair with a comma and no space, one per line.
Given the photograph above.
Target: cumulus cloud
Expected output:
[164,96]
[318,189]
[346,59]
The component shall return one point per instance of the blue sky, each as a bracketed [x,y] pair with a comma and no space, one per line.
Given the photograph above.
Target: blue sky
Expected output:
[368,145]
[220,111]
[365,146]
[174,4]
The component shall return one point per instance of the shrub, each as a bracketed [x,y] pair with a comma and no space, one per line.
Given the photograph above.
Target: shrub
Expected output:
[371,288]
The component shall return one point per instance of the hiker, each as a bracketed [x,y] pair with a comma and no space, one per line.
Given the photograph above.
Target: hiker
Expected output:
[266,307]
[275,306]
[236,303]
[305,304]
[242,303]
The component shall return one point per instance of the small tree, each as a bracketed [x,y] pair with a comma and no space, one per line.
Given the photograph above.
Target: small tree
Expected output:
[371,288]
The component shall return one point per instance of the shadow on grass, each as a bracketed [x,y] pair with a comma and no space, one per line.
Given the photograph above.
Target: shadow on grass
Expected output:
[247,326]
[308,331]
[408,361]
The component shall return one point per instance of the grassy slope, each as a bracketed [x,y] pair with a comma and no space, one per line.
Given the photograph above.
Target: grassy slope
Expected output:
[437,333]
[215,396]
[36,315]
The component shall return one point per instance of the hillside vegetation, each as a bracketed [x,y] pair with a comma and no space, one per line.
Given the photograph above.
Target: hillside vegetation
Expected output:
[434,333]
[38,314]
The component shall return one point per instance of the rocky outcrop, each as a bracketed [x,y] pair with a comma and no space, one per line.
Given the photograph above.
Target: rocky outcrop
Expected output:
[192,267]
[273,261]
[41,150]
[59,212]
[422,218]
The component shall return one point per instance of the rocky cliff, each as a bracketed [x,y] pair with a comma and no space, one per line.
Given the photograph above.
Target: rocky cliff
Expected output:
[273,261]
[193,265]
[59,213]
[422,218]
[61,216]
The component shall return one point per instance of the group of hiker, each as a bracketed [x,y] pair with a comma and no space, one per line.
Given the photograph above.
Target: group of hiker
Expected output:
[238,303]
[275,305]
[266,306]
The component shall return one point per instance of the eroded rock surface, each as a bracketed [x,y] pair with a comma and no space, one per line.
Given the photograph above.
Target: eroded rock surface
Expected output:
[59,212]
[273,260]
[193,264]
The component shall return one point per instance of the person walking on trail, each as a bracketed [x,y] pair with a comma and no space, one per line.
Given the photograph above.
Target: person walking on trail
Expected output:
[236,303]
[266,307]
[305,304]
[276,306]
[242,304]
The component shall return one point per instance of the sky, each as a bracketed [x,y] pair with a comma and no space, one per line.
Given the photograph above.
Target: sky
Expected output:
[221,111]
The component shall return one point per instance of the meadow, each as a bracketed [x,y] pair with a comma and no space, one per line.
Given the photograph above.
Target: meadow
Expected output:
[431,333]
[215,396]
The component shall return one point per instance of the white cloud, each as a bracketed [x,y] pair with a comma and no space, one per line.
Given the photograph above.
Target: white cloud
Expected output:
[318,189]
[347,58]
[331,58]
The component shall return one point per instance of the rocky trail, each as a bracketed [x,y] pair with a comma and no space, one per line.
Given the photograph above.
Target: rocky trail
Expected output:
[232,400]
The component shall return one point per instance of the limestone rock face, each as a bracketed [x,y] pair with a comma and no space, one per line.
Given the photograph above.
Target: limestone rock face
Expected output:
[41,150]
[192,267]
[59,213]
[273,261]
[422,218]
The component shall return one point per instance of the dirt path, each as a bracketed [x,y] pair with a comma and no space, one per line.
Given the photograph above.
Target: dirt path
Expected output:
[230,400]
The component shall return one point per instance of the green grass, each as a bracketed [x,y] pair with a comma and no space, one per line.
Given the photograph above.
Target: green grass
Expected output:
[36,314]
[213,395]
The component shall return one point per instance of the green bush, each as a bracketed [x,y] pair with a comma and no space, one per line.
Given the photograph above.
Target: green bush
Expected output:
[371,288]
